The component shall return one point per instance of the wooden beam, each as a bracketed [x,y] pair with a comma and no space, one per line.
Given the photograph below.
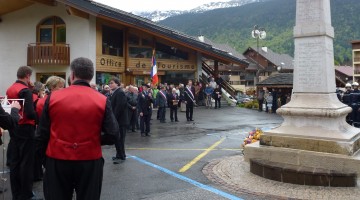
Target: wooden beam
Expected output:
[45,2]
[76,12]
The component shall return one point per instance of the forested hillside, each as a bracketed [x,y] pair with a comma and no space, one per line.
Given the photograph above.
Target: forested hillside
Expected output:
[233,26]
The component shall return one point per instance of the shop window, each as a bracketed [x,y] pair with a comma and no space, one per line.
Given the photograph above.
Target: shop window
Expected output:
[103,78]
[140,52]
[164,51]
[134,39]
[112,41]
[52,30]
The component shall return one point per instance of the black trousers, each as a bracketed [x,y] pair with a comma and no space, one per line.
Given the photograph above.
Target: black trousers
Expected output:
[62,177]
[173,111]
[132,118]
[39,158]
[189,111]
[217,102]
[22,162]
[120,143]
[162,112]
[145,124]
[261,105]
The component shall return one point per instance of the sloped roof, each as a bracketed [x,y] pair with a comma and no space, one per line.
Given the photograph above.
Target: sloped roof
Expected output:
[278,79]
[98,9]
[275,58]
[224,47]
[347,70]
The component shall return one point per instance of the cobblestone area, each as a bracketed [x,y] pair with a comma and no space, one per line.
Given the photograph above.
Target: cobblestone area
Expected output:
[233,174]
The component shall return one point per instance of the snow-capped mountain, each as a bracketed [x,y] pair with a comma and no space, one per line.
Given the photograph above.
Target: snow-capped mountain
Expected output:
[161,15]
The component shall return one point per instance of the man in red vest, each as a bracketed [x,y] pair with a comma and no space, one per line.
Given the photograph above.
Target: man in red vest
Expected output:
[70,130]
[21,146]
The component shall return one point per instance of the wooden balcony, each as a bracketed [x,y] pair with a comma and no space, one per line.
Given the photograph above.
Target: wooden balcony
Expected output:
[42,54]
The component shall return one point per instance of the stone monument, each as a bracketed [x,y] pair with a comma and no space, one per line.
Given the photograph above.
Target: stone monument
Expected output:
[314,132]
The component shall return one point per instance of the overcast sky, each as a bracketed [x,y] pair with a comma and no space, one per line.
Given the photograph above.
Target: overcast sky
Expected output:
[150,5]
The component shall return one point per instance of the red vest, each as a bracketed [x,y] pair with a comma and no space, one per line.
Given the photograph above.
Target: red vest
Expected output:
[39,106]
[13,93]
[76,114]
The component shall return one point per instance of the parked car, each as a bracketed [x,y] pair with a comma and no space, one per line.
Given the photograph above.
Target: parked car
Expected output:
[242,99]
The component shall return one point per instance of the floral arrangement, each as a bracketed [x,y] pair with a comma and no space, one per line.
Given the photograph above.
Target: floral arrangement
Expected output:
[253,136]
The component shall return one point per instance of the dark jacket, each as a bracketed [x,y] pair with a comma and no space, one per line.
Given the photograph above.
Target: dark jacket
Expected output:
[161,98]
[144,103]
[132,100]
[216,96]
[189,96]
[119,104]
[172,97]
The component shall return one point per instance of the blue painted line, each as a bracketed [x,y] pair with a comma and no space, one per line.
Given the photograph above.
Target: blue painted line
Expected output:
[188,180]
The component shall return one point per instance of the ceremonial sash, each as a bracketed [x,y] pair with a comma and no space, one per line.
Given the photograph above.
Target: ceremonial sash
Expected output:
[163,94]
[189,91]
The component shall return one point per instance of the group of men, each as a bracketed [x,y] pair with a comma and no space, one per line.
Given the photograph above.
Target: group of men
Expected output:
[71,126]
[351,97]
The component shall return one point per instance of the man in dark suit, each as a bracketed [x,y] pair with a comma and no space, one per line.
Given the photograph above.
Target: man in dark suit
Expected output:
[189,100]
[144,107]
[173,104]
[161,99]
[119,105]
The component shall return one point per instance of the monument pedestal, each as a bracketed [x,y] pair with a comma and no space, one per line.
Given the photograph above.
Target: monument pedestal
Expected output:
[314,122]
[314,133]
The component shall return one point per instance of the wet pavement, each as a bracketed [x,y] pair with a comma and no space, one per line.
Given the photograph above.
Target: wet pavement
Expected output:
[151,170]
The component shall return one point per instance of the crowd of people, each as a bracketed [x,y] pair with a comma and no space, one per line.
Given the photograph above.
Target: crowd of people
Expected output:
[351,97]
[272,99]
[56,132]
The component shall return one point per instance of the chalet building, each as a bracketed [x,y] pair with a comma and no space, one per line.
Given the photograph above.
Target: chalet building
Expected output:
[356,60]
[343,75]
[48,34]
[265,62]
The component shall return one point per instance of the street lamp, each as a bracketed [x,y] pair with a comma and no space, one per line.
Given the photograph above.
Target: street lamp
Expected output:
[280,67]
[258,33]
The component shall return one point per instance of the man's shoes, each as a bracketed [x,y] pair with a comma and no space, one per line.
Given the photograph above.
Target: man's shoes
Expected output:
[143,135]
[176,120]
[148,135]
[191,120]
[133,131]
[117,160]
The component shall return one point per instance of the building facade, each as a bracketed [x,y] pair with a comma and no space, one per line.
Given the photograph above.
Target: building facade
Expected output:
[48,34]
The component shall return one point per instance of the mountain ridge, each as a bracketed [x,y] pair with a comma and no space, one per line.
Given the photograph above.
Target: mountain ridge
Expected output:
[162,15]
[234,25]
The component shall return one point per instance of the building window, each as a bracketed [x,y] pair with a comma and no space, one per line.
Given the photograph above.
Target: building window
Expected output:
[112,41]
[52,30]
[140,52]
[164,51]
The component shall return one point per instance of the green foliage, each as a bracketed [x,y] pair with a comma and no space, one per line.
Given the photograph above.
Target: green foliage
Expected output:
[233,26]
[241,105]
[252,105]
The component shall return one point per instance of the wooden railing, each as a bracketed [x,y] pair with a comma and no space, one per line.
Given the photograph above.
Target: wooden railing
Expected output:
[224,84]
[40,54]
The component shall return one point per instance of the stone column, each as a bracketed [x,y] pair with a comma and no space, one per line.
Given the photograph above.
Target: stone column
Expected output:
[314,124]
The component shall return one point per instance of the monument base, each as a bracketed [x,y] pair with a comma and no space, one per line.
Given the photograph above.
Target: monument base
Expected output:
[303,158]
[314,122]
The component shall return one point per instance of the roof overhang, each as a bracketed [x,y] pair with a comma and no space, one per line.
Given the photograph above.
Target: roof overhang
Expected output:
[159,31]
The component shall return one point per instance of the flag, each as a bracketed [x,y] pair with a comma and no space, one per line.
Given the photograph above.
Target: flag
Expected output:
[154,76]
